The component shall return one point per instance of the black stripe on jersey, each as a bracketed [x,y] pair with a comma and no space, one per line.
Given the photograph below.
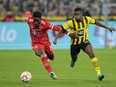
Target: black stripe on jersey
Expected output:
[77,40]
[73,41]
[83,24]
[86,20]
[85,36]
[82,39]
[78,25]
[74,24]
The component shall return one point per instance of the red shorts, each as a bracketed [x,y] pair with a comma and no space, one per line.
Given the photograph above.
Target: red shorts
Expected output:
[47,47]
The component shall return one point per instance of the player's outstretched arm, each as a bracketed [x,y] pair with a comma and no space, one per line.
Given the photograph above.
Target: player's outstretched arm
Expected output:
[58,28]
[104,26]
[59,34]
[71,35]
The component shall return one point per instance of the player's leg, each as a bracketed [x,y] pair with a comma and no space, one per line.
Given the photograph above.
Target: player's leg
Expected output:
[50,55]
[43,56]
[87,48]
[49,51]
[39,51]
[74,51]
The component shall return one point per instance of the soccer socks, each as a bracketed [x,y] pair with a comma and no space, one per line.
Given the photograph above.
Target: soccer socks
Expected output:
[46,63]
[97,68]
[96,65]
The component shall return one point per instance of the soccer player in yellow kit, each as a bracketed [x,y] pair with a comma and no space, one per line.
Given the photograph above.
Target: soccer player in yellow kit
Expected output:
[79,25]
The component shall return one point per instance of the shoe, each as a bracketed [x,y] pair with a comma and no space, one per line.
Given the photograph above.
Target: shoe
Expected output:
[53,76]
[72,64]
[100,77]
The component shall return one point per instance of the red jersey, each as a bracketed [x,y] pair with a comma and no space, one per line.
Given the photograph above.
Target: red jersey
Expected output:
[40,34]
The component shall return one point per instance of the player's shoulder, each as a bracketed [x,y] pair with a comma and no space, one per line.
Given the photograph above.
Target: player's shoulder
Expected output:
[90,20]
[88,17]
[44,21]
[69,21]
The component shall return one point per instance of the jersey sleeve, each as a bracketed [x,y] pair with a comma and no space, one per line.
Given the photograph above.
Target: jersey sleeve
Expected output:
[28,14]
[67,25]
[52,26]
[91,20]
[55,27]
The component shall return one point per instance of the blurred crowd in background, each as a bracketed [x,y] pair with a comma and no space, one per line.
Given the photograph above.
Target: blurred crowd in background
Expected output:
[54,7]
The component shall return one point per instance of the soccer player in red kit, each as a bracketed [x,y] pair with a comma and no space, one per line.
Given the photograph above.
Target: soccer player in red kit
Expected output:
[40,40]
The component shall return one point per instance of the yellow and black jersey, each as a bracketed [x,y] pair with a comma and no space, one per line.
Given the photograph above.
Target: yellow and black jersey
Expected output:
[81,28]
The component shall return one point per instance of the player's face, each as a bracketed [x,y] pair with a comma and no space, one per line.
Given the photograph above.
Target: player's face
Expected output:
[78,15]
[37,21]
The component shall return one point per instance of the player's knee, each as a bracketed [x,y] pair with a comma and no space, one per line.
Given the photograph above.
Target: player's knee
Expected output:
[43,56]
[39,52]
[91,55]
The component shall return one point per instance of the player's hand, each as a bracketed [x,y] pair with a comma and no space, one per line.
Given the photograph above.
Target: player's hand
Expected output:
[112,29]
[28,14]
[73,35]
[55,41]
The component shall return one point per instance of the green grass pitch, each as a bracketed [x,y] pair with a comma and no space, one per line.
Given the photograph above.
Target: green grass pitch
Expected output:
[13,63]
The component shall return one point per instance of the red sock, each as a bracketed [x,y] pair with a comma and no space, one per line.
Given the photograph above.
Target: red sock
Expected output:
[46,63]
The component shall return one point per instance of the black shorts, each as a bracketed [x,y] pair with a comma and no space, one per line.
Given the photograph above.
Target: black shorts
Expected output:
[75,49]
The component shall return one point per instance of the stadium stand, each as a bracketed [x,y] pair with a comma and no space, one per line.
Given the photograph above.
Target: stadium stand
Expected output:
[52,8]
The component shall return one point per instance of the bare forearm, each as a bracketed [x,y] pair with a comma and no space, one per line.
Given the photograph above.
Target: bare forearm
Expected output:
[59,34]
[106,27]
[102,25]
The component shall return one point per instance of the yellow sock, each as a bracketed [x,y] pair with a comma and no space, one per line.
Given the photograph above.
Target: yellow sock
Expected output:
[96,65]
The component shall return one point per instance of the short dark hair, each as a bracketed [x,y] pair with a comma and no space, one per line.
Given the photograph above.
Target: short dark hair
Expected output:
[77,9]
[37,14]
